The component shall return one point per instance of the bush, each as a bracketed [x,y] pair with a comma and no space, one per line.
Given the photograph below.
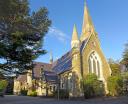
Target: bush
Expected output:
[63,94]
[24,92]
[125,83]
[88,91]
[115,85]
[3,85]
[32,93]
[92,86]
[99,88]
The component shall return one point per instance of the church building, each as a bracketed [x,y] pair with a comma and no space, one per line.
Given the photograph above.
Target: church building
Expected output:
[85,56]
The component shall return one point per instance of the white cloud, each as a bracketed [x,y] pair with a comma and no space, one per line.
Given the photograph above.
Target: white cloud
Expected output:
[60,35]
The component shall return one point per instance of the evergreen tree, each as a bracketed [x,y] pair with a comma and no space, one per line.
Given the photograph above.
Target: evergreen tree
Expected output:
[21,34]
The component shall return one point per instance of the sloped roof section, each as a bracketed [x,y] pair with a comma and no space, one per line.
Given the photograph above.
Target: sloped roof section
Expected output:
[63,64]
[50,77]
[22,78]
[36,73]
[39,67]
[83,45]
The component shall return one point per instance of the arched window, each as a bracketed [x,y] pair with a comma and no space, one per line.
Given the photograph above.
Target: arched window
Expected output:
[98,67]
[94,63]
[90,66]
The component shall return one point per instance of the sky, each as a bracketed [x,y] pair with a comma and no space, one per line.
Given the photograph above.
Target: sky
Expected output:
[110,19]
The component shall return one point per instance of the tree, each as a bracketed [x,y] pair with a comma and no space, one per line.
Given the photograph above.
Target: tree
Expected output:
[1,76]
[125,56]
[21,34]
[115,82]
[115,85]
[115,67]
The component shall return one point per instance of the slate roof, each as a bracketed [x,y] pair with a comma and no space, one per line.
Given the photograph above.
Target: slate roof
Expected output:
[38,68]
[36,73]
[22,78]
[83,44]
[59,66]
[63,64]
[50,77]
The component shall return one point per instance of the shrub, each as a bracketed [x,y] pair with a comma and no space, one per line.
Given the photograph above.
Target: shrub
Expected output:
[32,93]
[92,86]
[88,91]
[98,87]
[24,92]
[3,85]
[125,83]
[115,85]
[63,94]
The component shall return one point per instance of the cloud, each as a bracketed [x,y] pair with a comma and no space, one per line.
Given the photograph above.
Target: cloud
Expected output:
[60,35]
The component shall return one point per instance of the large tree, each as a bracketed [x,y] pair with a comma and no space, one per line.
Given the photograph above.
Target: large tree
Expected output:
[21,34]
[125,56]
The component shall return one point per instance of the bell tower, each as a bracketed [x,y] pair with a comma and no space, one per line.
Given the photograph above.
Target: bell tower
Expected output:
[76,63]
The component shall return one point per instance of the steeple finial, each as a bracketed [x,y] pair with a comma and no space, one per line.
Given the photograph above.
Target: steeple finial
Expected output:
[84,3]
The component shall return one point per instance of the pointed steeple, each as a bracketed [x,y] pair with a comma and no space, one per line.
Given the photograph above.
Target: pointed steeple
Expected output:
[87,27]
[51,58]
[75,34]
[75,40]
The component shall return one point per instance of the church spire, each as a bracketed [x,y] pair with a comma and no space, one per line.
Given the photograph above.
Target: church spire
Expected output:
[75,34]
[51,58]
[75,39]
[87,27]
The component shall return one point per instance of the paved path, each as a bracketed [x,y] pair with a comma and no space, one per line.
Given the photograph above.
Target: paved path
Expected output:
[37,100]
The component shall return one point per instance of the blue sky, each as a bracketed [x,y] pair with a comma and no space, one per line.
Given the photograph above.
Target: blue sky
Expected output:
[110,19]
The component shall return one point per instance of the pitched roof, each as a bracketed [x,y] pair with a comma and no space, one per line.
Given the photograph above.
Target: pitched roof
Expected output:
[83,44]
[38,68]
[50,77]
[22,78]
[59,66]
[63,64]
[36,73]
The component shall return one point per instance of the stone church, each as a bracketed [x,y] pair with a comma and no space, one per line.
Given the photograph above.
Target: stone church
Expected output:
[85,56]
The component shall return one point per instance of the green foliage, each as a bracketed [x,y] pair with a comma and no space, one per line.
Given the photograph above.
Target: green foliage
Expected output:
[92,86]
[125,83]
[21,34]
[125,56]
[115,85]
[3,85]
[33,93]
[1,76]
[23,92]
[115,67]
[125,75]
[63,94]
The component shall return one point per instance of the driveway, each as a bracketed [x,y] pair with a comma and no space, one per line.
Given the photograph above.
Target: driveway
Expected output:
[38,100]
